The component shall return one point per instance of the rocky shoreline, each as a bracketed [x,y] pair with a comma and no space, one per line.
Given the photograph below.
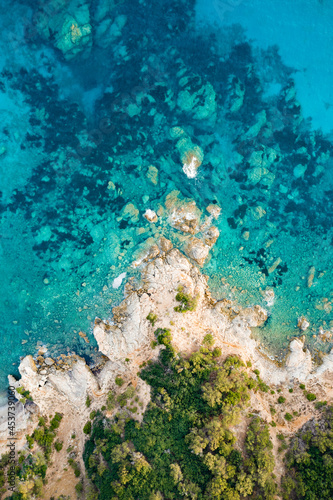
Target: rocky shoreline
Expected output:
[64,384]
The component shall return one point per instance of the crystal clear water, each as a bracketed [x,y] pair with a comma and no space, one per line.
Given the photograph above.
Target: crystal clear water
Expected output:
[251,84]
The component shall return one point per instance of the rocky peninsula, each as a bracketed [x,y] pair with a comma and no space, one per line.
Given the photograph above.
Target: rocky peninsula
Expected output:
[67,385]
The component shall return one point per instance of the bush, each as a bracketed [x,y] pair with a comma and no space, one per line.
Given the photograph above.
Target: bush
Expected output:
[30,441]
[55,422]
[163,336]
[153,344]
[320,404]
[302,386]
[291,390]
[111,401]
[310,396]
[87,428]
[187,303]
[216,352]
[93,415]
[58,445]
[152,318]
[208,340]
[257,372]
[281,400]
[119,381]
[79,487]
[288,417]
[88,402]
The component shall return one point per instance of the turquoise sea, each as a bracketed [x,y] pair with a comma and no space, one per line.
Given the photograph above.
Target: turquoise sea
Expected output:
[89,91]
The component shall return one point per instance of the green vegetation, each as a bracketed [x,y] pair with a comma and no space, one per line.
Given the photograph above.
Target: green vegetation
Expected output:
[208,340]
[111,401]
[75,466]
[25,394]
[88,402]
[281,400]
[119,381]
[31,468]
[310,396]
[309,461]
[216,352]
[163,336]
[127,394]
[87,427]
[187,303]
[58,445]
[152,318]
[302,386]
[320,404]
[93,415]
[288,417]
[79,487]
[184,447]
[291,390]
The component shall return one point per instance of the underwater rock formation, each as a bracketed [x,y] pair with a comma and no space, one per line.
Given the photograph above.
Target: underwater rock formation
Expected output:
[67,26]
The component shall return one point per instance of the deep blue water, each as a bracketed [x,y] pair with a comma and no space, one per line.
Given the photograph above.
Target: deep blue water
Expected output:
[250,83]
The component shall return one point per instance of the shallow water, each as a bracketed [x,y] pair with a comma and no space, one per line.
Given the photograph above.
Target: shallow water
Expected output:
[80,135]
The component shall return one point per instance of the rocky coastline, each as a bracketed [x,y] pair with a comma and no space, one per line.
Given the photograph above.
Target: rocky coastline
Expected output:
[65,384]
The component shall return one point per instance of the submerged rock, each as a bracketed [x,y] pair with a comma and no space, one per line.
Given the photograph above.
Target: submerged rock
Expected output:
[150,215]
[197,250]
[67,26]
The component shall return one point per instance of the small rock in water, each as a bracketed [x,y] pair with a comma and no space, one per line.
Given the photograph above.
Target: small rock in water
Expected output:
[311,274]
[303,323]
[150,215]
[117,281]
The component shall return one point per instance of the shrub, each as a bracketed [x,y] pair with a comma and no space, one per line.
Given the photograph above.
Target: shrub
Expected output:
[291,390]
[216,352]
[152,318]
[153,344]
[88,401]
[249,364]
[302,386]
[272,423]
[272,392]
[163,336]
[30,441]
[187,303]
[58,445]
[233,362]
[104,408]
[79,487]
[281,400]
[257,372]
[119,381]
[55,422]
[320,404]
[288,417]
[87,428]
[310,396]
[93,414]
[208,340]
